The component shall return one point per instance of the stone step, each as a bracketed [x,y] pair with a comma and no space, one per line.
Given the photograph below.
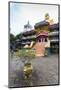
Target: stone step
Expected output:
[39,47]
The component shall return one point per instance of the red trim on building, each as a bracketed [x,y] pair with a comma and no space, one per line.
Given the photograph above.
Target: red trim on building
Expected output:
[42,34]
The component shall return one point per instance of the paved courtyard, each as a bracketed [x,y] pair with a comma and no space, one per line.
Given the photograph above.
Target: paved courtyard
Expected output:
[45,71]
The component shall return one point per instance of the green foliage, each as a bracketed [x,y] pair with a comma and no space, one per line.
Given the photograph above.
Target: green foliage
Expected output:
[12,38]
[19,36]
[27,53]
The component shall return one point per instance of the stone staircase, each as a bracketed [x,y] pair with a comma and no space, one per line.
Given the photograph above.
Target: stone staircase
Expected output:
[39,48]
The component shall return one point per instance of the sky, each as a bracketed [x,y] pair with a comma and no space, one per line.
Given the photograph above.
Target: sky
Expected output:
[21,13]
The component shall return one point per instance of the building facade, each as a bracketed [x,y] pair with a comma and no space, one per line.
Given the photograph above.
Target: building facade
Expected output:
[42,30]
[54,38]
[36,39]
[43,36]
[28,36]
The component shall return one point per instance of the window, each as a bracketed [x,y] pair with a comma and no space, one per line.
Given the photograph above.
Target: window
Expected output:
[45,39]
[39,40]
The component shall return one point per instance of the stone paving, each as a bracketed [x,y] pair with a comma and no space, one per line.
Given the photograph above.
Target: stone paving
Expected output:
[45,72]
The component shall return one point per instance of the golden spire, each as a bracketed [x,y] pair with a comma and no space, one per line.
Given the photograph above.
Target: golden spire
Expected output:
[47,18]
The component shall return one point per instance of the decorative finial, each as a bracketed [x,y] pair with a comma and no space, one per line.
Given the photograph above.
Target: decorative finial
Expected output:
[47,17]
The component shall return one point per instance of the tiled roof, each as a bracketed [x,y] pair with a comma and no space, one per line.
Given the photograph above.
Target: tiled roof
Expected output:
[29,32]
[54,26]
[42,23]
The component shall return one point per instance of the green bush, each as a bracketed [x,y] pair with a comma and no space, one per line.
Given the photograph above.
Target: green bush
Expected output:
[27,53]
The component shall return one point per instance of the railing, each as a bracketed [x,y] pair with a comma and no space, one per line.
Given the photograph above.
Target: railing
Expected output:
[53,33]
[29,37]
[54,40]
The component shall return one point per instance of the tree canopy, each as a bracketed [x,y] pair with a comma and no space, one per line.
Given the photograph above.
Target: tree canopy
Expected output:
[12,38]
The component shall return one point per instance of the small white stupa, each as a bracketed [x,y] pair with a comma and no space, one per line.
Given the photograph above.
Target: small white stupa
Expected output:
[27,27]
